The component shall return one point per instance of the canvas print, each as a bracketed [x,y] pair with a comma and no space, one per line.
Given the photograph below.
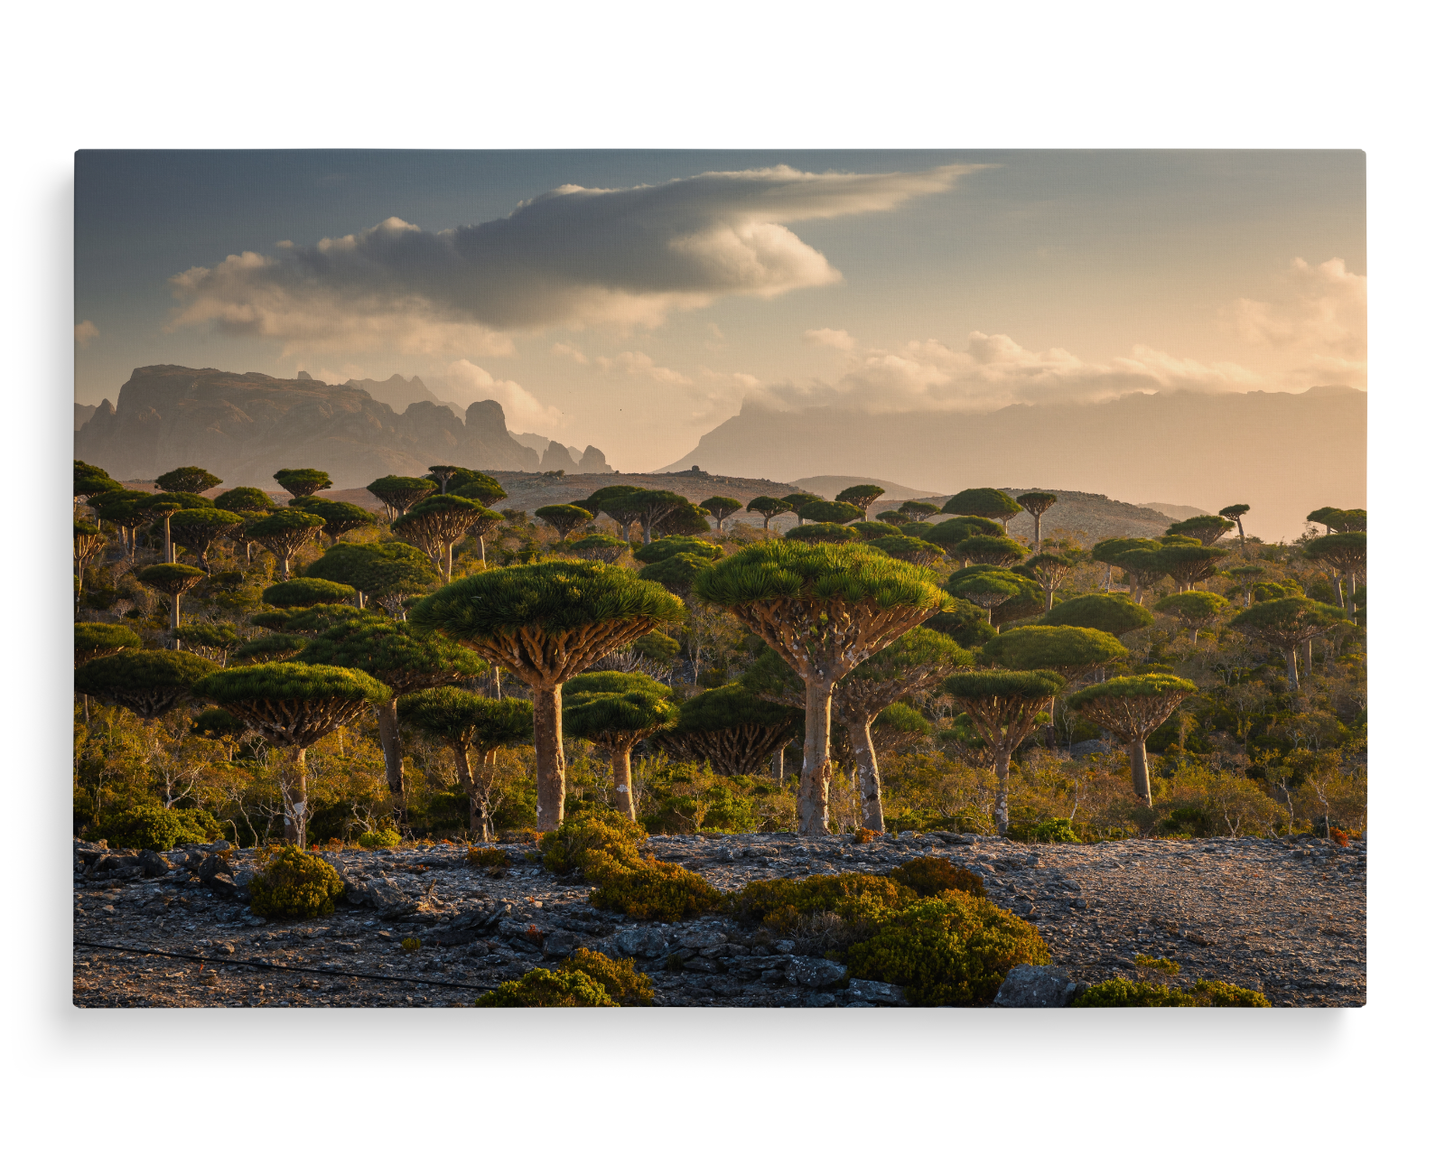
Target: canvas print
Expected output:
[767,579]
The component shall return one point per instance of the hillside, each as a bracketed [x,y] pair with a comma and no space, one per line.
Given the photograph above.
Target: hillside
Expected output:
[1283,453]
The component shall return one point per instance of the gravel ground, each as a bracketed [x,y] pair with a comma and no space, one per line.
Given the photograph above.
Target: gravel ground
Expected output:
[1285,918]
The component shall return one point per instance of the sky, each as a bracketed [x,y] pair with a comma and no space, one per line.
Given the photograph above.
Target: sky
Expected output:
[634,300]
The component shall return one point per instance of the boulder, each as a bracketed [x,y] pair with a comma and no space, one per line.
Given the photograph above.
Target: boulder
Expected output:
[560,943]
[153,864]
[1029,986]
[637,942]
[807,971]
[873,991]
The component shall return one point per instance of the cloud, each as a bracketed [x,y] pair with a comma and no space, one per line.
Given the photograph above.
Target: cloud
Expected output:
[572,256]
[562,349]
[85,333]
[468,383]
[1321,318]
[834,338]
[641,365]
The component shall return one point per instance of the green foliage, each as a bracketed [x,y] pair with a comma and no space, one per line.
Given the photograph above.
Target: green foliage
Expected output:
[302,483]
[298,592]
[377,569]
[796,502]
[785,904]
[661,549]
[823,573]
[617,716]
[98,639]
[769,508]
[283,524]
[91,480]
[1194,608]
[729,707]
[982,503]
[491,858]
[989,550]
[340,517]
[411,943]
[965,623]
[624,984]
[1116,614]
[165,503]
[657,646]
[1068,650]
[290,884]
[187,480]
[400,654]
[593,502]
[904,719]
[823,532]
[565,518]
[554,597]
[872,531]
[862,496]
[598,548]
[834,512]
[1132,686]
[721,508]
[952,950]
[543,988]
[901,546]
[1205,528]
[1036,502]
[151,827]
[1044,831]
[384,838]
[567,850]
[677,573]
[1136,993]
[269,648]
[931,875]
[477,487]
[1163,966]
[453,715]
[213,722]
[916,511]
[245,500]
[211,635]
[984,685]
[145,682]
[290,681]
[951,534]
[1287,622]
[171,577]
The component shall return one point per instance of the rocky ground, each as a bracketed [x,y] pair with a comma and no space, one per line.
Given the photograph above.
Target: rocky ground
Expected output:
[1287,918]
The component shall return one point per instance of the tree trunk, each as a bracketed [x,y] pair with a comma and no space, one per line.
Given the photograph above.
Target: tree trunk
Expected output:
[813,782]
[551,769]
[1134,594]
[1108,578]
[622,780]
[778,764]
[482,549]
[1309,657]
[360,600]
[1242,552]
[497,683]
[479,820]
[865,759]
[1139,764]
[293,791]
[1001,756]
[1038,531]
[389,733]
[1194,635]
[285,565]
[1291,667]
[170,554]
[175,620]
[447,569]
[1049,593]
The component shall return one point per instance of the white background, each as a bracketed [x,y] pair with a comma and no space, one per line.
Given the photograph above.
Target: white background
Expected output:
[1045,75]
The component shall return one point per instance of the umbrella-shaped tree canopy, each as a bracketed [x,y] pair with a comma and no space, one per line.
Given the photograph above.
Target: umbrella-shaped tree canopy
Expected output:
[147,683]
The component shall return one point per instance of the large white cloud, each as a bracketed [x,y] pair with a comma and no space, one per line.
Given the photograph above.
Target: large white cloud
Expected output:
[573,256]
[1320,320]
[465,383]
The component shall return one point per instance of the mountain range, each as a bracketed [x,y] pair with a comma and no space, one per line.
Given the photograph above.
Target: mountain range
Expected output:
[245,426]
[1283,453]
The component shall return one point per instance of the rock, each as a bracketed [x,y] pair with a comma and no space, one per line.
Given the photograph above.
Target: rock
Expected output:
[784,947]
[154,865]
[560,943]
[223,886]
[820,999]
[703,937]
[638,942]
[806,971]
[1028,986]
[211,866]
[872,991]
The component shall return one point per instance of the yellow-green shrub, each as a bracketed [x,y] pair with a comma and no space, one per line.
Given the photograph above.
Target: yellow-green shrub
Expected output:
[931,875]
[649,889]
[1136,993]
[624,984]
[782,903]
[387,838]
[292,884]
[492,857]
[564,851]
[543,988]
[951,950]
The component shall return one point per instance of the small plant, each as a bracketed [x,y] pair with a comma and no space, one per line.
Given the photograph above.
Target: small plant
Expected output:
[653,890]
[624,984]
[1340,837]
[374,839]
[493,859]
[930,875]
[151,827]
[863,836]
[1149,963]
[543,988]
[1044,831]
[535,935]
[1137,993]
[289,883]
[411,943]
[578,842]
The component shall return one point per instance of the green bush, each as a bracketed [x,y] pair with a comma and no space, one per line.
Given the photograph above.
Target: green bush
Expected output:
[1193,822]
[543,988]
[948,951]
[651,890]
[930,875]
[610,833]
[1044,831]
[293,884]
[1166,966]
[151,827]
[386,838]
[624,984]
[1136,993]
[491,857]
[782,904]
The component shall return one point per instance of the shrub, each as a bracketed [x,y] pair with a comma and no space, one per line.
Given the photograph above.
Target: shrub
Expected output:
[1148,962]
[1044,831]
[624,984]
[291,883]
[1135,993]
[151,827]
[611,834]
[543,988]
[652,890]
[782,904]
[387,838]
[951,950]
[411,943]
[930,875]
[863,835]
[490,857]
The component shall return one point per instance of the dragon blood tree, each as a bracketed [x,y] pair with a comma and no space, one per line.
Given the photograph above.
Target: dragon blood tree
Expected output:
[1117,614]
[340,517]
[101,639]
[1236,515]
[720,509]
[914,551]
[1131,709]
[988,591]
[1195,609]
[616,711]
[478,487]
[769,508]
[385,572]
[830,513]
[406,659]
[1006,706]
[464,721]
[598,548]
[293,705]
[862,496]
[146,682]
[89,542]
[284,533]
[1344,551]
[1049,571]
[565,519]
[824,609]
[302,483]
[188,480]
[731,729]
[399,494]
[298,592]
[1037,504]
[201,529]
[648,508]
[593,502]
[174,580]
[913,665]
[1189,564]
[547,622]
[1208,528]
[1287,624]
[437,524]
[984,503]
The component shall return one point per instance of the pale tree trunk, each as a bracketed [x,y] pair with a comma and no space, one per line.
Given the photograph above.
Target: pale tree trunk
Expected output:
[1309,657]
[482,549]
[1038,531]
[1291,666]
[479,821]
[778,764]
[813,781]
[1134,594]
[170,554]
[1194,635]
[622,781]
[865,759]
[551,769]
[1001,756]
[447,569]
[497,683]
[175,620]
[1139,764]
[1108,578]
[1049,593]
[360,600]
[293,792]
[388,731]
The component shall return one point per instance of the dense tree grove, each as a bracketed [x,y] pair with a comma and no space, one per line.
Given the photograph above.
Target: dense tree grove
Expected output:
[454,670]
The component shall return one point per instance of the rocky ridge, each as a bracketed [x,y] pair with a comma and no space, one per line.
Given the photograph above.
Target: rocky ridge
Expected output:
[1285,917]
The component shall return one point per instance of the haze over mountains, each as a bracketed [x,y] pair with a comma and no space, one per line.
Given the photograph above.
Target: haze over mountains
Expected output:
[1283,453]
